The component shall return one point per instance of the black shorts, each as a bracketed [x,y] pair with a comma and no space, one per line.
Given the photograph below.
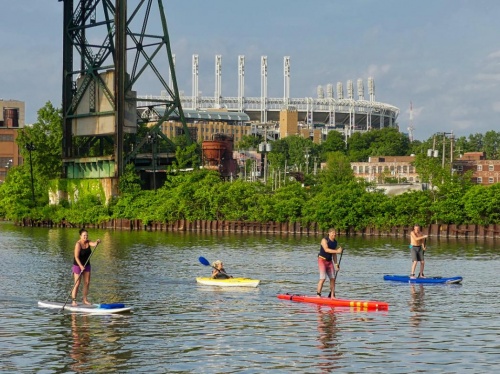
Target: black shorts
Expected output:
[417,254]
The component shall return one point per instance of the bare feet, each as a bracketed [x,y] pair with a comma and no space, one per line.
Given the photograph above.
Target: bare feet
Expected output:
[74,303]
[86,302]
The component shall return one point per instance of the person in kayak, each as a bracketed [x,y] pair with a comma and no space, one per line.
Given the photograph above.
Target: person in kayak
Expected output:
[417,248]
[327,262]
[218,271]
[81,263]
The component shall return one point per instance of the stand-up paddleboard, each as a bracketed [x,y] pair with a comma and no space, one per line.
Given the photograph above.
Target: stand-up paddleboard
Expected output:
[435,280]
[358,304]
[89,309]
[230,282]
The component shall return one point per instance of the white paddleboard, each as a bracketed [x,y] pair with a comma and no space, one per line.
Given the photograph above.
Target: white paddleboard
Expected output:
[82,308]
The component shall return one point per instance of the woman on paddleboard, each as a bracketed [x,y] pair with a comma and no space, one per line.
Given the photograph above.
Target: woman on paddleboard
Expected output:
[327,261]
[81,265]
[218,271]
[417,248]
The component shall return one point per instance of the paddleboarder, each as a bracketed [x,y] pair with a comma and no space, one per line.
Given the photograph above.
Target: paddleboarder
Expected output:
[417,248]
[327,261]
[81,264]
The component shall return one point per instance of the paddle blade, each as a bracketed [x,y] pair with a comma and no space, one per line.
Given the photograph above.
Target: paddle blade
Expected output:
[204,261]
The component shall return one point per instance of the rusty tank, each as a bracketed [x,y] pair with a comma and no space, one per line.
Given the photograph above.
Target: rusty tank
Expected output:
[218,155]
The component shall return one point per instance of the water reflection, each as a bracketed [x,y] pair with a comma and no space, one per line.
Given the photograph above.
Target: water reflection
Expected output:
[96,343]
[417,303]
[179,327]
[328,340]
[81,347]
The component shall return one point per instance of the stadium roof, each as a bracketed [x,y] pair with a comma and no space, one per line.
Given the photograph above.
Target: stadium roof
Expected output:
[211,115]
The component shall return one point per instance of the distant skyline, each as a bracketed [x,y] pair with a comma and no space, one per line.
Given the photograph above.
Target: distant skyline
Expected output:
[441,55]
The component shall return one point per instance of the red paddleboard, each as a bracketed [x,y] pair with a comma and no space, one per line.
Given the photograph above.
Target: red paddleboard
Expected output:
[358,304]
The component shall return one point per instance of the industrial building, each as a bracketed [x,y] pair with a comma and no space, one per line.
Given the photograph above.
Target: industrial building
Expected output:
[12,117]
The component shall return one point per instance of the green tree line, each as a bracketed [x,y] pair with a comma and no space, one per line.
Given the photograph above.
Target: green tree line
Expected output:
[331,197]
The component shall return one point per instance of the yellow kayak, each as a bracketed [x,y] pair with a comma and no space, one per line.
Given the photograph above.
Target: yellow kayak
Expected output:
[231,282]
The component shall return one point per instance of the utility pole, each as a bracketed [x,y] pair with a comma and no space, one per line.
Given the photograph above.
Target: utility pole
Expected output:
[31,147]
[307,160]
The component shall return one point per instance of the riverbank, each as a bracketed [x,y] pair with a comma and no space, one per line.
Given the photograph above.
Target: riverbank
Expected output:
[434,230]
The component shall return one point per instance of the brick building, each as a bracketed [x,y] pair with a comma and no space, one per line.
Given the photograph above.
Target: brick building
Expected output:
[12,116]
[484,171]
[203,125]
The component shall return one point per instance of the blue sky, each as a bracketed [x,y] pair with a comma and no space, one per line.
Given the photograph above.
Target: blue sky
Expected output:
[441,55]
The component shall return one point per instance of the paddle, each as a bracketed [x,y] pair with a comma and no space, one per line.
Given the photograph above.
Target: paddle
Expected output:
[205,262]
[336,272]
[340,259]
[77,279]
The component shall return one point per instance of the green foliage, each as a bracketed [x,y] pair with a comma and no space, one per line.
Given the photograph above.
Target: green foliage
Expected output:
[335,206]
[384,142]
[334,143]
[248,142]
[482,204]
[46,137]
[87,209]
[408,209]
[294,152]
[338,170]
[15,194]
[285,205]
[187,156]
[130,181]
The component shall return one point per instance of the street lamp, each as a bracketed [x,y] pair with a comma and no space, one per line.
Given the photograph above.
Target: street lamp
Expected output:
[31,147]
[152,141]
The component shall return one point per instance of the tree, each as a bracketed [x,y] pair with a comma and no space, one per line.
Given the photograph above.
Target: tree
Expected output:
[187,156]
[130,181]
[46,137]
[334,142]
[491,145]
[338,170]
[384,142]
[297,152]
[358,147]
[482,204]
[278,156]
[249,142]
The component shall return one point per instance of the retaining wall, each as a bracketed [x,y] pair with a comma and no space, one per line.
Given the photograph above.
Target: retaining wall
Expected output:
[435,230]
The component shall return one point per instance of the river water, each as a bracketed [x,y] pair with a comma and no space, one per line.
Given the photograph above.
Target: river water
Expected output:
[178,326]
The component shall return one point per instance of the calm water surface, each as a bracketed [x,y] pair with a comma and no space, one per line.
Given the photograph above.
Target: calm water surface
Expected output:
[180,327]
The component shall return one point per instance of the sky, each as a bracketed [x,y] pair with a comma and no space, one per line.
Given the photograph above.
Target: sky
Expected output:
[443,56]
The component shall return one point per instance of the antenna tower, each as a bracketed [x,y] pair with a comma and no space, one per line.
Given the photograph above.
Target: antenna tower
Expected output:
[411,128]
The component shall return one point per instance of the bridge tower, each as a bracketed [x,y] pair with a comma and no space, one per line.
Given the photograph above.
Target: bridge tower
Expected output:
[102,127]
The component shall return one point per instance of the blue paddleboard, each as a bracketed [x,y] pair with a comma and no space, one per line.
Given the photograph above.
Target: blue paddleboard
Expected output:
[407,279]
